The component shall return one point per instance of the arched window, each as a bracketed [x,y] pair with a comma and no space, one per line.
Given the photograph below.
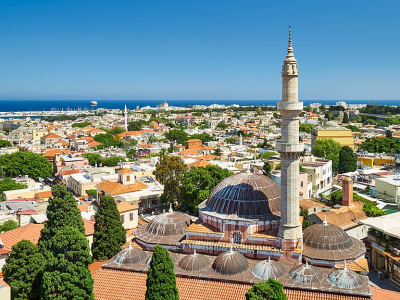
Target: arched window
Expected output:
[237,237]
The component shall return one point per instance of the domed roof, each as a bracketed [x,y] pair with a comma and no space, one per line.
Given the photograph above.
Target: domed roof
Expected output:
[171,254]
[306,274]
[329,242]
[230,263]
[129,256]
[331,124]
[194,262]
[312,122]
[247,195]
[169,223]
[345,278]
[268,269]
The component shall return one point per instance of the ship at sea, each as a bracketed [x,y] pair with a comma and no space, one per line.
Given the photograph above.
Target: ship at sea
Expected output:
[93,103]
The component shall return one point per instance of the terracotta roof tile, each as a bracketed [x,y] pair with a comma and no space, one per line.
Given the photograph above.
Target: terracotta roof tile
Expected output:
[125,206]
[116,188]
[89,226]
[118,285]
[45,194]
[381,294]
[30,232]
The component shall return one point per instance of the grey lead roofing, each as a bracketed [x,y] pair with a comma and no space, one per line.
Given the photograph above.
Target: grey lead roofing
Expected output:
[247,195]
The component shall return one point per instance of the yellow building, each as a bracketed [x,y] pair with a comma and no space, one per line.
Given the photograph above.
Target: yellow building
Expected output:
[331,130]
[376,161]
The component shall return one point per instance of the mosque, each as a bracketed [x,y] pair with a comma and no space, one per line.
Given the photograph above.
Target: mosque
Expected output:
[249,229]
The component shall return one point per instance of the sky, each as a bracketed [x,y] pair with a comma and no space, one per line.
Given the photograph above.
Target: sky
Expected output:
[191,50]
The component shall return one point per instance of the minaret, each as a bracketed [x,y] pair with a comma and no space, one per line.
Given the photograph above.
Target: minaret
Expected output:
[290,149]
[126,119]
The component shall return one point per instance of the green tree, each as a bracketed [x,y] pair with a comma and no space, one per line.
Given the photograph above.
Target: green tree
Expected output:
[91,193]
[161,281]
[222,125]
[4,143]
[204,137]
[197,184]
[267,155]
[324,147]
[347,160]
[345,118]
[117,130]
[152,139]
[267,169]
[231,140]
[8,225]
[218,152]
[266,290]
[370,122]
[62,212]
[23,270]
[177,135]
[109,234]
[169,172]
[135,126]
[108,140]
[389,134]
[94,158]
[8,184]
[306,219]
[25,163]
[67,275]
[353,128]
[81,125]
[306,128]
[113,161]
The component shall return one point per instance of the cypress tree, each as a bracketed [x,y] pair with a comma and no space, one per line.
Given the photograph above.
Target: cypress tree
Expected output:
[23,270]
[62,212]
[161,281]
[347,160]
[109,234]
[270,289]
[345,118]
[67,275]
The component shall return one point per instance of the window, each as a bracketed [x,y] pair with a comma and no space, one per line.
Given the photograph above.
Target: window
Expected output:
[128,178]
[122,219]
[301,183]
[237,237]
[130,216]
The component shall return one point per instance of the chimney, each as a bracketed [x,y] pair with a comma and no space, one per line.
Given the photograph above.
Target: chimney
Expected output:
[347,192]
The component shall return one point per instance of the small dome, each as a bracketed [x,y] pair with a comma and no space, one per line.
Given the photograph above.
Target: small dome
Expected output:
[129,256]
[345,278]
[312,122]
[169,223]
[268,269]
[306,274]
[230,263]
[247,195]
[194,262]
[330,242]
[331,124]
[171,254]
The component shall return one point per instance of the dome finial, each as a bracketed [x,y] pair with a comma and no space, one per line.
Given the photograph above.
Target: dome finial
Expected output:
[130,244]
[269,258]
[325,222]
[170,208]
[344,266]
[231,249]
[194,251]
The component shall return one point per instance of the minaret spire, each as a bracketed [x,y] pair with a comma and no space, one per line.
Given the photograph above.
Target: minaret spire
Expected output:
[126,119]
[290,149]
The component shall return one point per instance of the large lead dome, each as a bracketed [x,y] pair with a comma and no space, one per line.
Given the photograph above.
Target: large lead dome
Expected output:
[247,195]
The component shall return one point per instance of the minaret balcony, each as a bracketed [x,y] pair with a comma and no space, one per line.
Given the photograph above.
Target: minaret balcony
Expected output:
[286,147]
[290,106]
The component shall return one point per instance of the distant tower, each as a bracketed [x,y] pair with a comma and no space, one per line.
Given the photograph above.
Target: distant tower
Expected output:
[347,192]
[290,149]
[240,140]
[126,119]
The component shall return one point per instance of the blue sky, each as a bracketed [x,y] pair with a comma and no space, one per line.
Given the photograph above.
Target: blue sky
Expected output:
[194,49]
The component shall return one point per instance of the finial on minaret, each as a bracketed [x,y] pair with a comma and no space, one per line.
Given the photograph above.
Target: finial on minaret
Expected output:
[325,222]
[170,208]
[290,49]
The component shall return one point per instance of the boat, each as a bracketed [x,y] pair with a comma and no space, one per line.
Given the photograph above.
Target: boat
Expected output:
[93,103]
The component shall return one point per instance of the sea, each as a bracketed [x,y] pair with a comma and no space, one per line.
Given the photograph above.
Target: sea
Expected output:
[48,105]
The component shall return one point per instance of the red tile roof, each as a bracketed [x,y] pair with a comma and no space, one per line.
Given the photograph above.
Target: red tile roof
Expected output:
[119,285]
[30,232]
